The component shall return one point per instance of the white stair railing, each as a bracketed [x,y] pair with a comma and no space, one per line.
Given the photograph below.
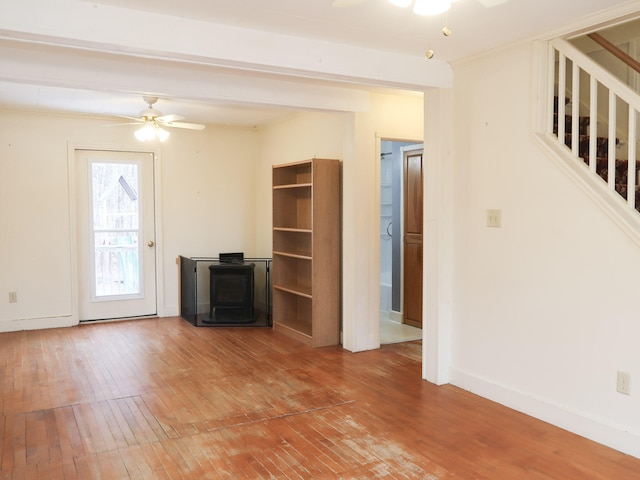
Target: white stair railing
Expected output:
[580,84]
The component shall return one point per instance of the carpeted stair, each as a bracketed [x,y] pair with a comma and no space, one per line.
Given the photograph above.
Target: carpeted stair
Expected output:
[602,156]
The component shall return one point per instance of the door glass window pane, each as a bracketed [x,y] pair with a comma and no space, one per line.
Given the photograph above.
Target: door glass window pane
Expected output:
[116,220]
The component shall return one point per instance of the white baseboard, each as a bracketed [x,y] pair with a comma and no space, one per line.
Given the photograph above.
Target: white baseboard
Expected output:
[576,422]
[37,323]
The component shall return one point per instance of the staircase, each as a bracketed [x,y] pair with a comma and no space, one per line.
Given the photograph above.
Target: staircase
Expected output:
[620,174]
[604,114]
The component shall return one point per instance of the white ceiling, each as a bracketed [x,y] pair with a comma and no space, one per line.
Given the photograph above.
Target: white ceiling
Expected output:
[378,24]
[376,28]
[22,96]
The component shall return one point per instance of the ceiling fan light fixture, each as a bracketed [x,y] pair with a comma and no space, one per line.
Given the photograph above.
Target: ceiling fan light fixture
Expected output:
[153,123]
[145,132]
[150,131]
[431,7]
[162,134]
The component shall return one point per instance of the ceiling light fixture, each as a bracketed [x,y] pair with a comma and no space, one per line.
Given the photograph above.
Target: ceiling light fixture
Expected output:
[425,7]
[151,131]
[429,8]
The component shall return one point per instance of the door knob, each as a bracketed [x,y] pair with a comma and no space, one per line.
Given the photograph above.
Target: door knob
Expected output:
[151,243]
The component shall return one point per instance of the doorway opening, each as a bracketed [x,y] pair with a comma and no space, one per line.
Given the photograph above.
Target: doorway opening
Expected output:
[393,158]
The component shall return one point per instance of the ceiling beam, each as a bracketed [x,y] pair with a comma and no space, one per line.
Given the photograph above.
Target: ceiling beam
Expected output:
[28,63]
[122,31]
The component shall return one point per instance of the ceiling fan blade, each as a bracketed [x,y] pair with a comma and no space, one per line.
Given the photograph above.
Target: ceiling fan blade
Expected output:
[492,3]
[190,126]
[136,119]
[346,3]
[169,118]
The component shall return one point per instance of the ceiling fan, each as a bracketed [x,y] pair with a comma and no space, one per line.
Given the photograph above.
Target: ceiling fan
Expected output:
[421,7]
[153,122]
[353,3]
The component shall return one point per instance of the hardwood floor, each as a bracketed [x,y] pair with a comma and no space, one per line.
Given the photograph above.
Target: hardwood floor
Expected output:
[163,399]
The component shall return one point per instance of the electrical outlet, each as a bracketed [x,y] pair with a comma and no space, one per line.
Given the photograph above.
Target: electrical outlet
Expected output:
[13,297]
[623,383]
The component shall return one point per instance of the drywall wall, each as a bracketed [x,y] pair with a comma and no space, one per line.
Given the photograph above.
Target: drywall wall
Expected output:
[34,219]
[545,308]
[354,139]
[205,204]
[300,136]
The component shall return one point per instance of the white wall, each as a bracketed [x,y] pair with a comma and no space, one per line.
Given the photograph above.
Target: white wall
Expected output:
[35,259]
[209,198]
[397,117]
[207,184]
[545,308]
[298,137]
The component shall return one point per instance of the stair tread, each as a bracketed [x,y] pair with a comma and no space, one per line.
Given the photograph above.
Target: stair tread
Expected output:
[620,169]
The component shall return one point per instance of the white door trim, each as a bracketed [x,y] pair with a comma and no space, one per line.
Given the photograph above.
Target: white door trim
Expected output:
[437,311]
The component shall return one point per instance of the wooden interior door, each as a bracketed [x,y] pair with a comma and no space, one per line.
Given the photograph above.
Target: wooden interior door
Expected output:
[412,309]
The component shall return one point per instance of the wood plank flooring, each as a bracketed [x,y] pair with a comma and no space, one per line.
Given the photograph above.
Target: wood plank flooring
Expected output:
[161,399]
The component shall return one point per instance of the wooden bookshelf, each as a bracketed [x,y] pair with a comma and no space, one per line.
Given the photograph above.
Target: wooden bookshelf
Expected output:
[306,250]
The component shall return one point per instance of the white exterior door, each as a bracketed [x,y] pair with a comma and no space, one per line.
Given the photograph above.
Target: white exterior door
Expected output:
[116,234]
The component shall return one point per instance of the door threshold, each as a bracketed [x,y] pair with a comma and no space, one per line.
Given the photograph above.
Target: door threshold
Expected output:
[122,319]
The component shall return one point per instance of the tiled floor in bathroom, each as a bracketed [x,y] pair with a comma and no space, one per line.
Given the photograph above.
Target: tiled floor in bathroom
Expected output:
[392,331]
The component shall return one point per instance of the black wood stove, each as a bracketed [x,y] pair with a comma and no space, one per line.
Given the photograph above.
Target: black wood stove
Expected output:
[231,290]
